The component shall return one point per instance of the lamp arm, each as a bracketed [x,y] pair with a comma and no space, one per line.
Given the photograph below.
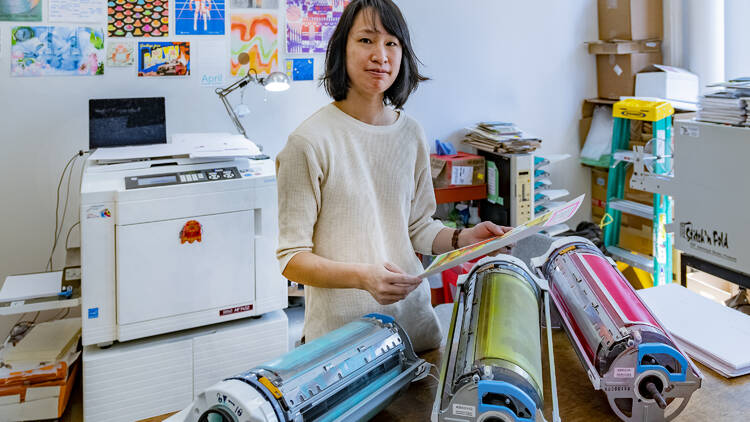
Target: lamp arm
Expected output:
[224,92]
[232,114]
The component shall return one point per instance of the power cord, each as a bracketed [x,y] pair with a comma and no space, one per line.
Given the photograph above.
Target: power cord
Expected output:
[59,221]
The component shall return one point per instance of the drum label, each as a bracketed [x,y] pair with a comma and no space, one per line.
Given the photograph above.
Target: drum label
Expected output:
[464,410]
[624,372]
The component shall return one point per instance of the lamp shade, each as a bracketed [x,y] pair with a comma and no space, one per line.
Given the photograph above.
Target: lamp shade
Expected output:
[276,81]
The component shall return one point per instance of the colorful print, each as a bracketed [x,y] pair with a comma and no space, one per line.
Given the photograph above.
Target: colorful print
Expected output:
[257,4]
[255,43]
[21,10]
[310,24]
[120,54]
[138,18]
[163,58]
[299,69]
[199,17]
[56,51]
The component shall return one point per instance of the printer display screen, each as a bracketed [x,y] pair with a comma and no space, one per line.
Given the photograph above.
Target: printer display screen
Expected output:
[157,180]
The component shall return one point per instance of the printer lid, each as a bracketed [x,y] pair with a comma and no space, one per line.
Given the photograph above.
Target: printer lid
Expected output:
[200,147]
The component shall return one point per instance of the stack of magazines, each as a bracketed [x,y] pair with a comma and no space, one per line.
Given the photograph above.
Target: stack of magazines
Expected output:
[730,106]
[501,137]
[722,107]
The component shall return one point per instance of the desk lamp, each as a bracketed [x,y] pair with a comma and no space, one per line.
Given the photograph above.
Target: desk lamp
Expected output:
[274,82]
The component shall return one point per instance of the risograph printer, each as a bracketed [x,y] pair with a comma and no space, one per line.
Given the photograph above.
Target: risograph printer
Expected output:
[175,236]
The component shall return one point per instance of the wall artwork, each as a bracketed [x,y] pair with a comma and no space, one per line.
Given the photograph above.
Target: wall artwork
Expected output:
[199,17]
[254,43]
[164,58]
[300,69]
[310,24]
[120,54]
[56,51]
[258,4]
[21,10]
[77,11]
[138,18]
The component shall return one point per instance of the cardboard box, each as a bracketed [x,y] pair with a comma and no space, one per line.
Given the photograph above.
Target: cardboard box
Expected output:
[461,169]
[670,83]
[616,72]
[637,240]
[624,47]
[630,19]
[587,113]
[599,200]
[710,286]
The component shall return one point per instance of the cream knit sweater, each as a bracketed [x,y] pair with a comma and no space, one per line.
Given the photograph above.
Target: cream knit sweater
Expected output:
[358,193]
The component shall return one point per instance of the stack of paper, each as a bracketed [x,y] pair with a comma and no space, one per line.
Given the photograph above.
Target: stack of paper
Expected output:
[722,107]
[717,336]
[501,137]
[45,342]
[30,286]
[39,372]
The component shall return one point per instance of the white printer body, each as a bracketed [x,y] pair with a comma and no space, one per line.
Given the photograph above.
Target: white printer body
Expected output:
[174,243]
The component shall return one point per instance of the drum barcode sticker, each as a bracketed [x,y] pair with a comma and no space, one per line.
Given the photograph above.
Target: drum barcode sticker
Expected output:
[624,372]
[464,410]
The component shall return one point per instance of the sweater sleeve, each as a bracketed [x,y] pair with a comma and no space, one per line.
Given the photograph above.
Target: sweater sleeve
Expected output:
[422,227]
[299,177]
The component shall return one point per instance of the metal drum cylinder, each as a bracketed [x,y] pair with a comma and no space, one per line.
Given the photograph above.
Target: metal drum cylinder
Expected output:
[492,368]
[508,328]
[625,350]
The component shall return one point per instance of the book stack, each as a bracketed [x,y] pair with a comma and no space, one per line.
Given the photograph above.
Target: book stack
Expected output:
[501,137]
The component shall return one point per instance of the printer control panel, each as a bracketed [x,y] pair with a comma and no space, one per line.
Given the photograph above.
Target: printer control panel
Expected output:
[181,178]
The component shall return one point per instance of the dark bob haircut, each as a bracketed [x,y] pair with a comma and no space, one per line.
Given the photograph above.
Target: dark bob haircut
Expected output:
[336,81]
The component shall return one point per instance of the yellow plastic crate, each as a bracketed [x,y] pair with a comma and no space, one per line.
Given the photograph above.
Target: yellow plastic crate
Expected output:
[651,111]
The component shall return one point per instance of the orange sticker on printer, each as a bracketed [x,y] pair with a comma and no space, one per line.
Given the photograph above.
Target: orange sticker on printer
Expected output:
[191,232]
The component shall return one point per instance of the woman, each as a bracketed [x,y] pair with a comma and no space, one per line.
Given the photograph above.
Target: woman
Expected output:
[355,191]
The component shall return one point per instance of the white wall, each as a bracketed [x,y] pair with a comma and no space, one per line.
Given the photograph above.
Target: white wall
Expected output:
[488,60]
[736,38]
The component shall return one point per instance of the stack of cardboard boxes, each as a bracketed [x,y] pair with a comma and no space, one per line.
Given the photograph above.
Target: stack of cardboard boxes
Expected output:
[630,33]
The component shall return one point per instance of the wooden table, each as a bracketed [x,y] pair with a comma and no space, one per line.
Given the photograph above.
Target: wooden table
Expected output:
[718,400]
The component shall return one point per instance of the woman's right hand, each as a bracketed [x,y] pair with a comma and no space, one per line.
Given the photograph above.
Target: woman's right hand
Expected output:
[388,284]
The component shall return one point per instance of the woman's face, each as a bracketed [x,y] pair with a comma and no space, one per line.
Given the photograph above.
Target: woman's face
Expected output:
[373,56]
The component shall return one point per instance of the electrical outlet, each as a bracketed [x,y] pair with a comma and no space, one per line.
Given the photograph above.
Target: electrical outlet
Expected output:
[73,273]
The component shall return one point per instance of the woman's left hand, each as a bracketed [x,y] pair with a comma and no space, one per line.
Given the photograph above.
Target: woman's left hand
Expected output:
[483,231]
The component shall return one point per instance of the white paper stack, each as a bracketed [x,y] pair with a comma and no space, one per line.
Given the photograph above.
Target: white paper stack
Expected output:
[46,342]
[30,286]
[717,336]
[722,107]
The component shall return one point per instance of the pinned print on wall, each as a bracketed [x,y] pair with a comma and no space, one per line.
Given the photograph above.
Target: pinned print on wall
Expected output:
[138,18]
[299,69]
[310,24]
[21,10]
[56,51]
[256,4]
[164,58]
[199,17]
[77,11]
[254,43]
[120,54]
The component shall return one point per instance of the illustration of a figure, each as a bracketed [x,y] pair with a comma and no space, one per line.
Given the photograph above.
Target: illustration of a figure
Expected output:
[203,11]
